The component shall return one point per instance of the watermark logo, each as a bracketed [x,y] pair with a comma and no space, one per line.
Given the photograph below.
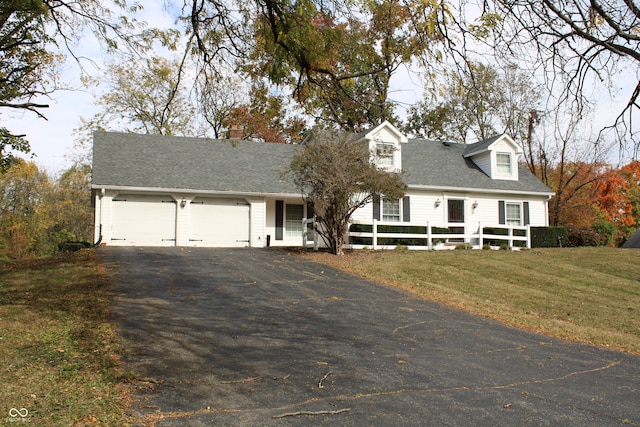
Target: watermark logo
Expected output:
[19,415]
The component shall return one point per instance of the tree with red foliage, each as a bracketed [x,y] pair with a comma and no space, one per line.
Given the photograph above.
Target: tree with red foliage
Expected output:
[573,202]
[610,196]
[632,173]
[617,196]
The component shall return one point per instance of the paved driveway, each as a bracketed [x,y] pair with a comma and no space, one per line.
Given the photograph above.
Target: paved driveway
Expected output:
[261,337]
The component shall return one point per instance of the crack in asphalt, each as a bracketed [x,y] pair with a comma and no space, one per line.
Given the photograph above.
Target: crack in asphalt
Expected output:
[159,415]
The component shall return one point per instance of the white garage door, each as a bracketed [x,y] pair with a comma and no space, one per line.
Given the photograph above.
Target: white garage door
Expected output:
[140,220]
[218,222]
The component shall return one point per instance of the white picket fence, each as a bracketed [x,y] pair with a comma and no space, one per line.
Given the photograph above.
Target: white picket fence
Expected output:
[421,236]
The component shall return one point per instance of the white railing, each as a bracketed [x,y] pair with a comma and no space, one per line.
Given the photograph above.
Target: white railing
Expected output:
[309,234]
[421,236]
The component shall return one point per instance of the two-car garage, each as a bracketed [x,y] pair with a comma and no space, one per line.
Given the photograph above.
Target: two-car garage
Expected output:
[155,220]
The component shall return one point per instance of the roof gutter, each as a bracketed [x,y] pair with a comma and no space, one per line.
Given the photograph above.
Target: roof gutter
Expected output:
[189,191]
[548,194]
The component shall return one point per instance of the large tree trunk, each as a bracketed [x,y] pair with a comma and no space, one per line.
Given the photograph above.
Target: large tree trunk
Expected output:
[341,232]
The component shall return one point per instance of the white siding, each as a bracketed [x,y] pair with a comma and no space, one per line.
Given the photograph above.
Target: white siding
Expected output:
[483,161]
[270,227]
[258,222]
[262,214]
[420,207]
[97,215]
[503,146]
[107,202]
[384,135]
[182,226]
[538,212]
[423,208]
[487,210]
[363,214]
[270,220]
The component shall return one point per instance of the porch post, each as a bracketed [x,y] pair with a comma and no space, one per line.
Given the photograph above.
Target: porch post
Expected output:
[375,234]
[429,245]
[467,234]
[480,237]
[316,242]
[511,237]
[305,232]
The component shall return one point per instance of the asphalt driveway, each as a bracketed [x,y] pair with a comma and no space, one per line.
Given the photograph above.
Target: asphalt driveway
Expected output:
[262,337]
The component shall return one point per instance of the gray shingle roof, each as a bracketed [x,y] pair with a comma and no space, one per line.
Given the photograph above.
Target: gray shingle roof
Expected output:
[151,161]
[433,163]
[480,145]
[131,160]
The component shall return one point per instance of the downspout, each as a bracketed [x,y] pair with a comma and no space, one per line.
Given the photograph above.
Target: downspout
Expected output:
[546,206]
[101,198]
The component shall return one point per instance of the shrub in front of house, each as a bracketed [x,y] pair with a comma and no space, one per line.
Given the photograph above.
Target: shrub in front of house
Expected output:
[439,230]
[606,229]
[584,237]
[464,247]
[549,237]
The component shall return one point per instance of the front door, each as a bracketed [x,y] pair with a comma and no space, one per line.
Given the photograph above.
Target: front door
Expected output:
[455,213]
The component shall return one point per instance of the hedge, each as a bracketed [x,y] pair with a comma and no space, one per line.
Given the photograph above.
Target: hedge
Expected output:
[549,237]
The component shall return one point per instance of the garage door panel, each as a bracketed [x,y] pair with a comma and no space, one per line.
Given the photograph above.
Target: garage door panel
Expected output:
[218,222]
[141,220]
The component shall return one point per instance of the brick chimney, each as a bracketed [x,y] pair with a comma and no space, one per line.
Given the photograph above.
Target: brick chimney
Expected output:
[235,132]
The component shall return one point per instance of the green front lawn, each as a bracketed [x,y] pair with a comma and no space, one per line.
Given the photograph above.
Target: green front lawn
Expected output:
[588,295]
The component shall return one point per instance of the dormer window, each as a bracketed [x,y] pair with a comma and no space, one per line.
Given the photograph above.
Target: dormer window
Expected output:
[384,154]
[497,157]
[503,163]
[385,146]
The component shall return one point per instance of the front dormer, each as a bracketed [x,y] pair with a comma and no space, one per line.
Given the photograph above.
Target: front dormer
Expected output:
[497,157]
[385,146]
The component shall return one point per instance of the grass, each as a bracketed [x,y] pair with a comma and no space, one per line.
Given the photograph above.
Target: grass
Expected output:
[589,295]
[58,351]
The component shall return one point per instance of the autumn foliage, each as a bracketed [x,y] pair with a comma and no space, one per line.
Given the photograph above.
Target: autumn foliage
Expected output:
[589,193]
[38,214]
[611,196]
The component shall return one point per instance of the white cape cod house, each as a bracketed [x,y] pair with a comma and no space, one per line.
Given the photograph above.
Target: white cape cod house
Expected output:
[154,190]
